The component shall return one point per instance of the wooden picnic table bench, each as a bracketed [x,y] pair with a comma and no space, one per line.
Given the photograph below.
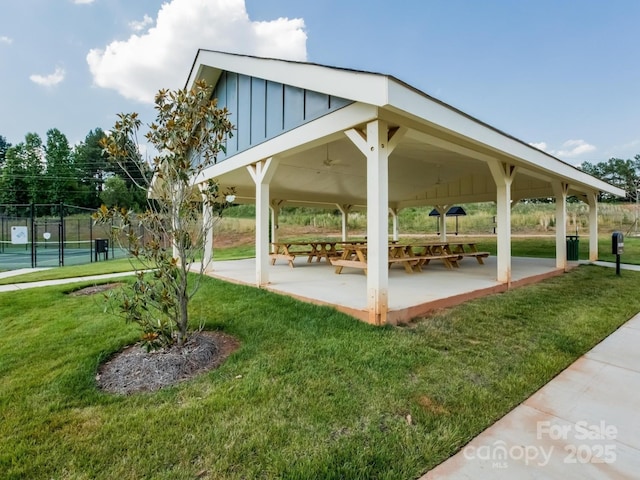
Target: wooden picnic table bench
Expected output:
[468,249]
[313,249]
[435,252]
[353,255]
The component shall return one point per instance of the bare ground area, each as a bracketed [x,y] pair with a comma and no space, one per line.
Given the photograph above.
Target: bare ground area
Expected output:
[103,287]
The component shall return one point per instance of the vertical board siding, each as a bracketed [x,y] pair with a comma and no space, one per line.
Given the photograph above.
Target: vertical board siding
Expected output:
[315,104]
[243,125]
[232,105]
[293,107]
[260,109]
[275,109]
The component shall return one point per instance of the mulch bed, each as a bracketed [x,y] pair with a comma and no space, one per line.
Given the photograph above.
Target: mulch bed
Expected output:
[94,289]
[136,370]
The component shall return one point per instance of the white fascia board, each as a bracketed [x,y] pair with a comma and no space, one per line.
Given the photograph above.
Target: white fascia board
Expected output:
[443,116]
[354,85]
[304,136]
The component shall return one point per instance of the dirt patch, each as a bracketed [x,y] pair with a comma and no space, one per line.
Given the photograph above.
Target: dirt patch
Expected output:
[94,289]
[431,406]
[136,370]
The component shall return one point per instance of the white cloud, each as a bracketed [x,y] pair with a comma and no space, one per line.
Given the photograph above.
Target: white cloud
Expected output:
[83,2]
[569,149]
[140,25]
[160,58]
[49,80]
[6,40]
[574,148]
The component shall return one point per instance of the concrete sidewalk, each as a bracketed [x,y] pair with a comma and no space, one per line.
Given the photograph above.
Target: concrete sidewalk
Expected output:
[47,283]
[584,424]
[21,271]
[623,266]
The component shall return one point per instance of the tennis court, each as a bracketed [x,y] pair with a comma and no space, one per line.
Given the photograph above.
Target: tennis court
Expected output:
[33,237]
[48,254]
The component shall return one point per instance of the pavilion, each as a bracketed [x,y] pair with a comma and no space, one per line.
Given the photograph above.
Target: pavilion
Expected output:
[314,135]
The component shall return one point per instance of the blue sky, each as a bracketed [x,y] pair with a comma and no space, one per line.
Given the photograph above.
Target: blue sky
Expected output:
[561,74]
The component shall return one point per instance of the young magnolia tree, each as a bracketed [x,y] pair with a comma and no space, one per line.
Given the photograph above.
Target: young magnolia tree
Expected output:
[170,235]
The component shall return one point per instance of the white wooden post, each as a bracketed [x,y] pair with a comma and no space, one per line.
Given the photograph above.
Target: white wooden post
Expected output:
[377,222]
[207,231]
[560,192]
[275,213]
[503,175]
[344,210]
[394,218]
[592,200]
[376,145]
[442,221]
[262,173]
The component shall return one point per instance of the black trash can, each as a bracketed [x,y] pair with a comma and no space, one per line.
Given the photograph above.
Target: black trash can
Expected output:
[101,247]
[572,248]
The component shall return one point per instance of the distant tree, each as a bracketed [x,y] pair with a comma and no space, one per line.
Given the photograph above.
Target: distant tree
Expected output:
[34,167]
[61,178]
[92,168]
[13,187]
[135,172]
[116,193]
[188,134]
[624,174]
[4,145]
[21,180]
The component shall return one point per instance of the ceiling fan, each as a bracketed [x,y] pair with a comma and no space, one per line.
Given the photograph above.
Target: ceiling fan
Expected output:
[329,162]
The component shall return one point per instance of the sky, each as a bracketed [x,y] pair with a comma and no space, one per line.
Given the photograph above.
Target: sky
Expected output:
[562,75]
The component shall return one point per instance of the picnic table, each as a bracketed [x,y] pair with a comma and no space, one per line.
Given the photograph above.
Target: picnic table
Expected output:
[462,249]
[355,256]
[312,249]
[427,252]
[411,256]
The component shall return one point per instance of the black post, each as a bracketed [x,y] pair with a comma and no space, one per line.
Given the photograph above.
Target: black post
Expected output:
[33,236]
[112,239]
[618,264]
[91,240]
[61,236]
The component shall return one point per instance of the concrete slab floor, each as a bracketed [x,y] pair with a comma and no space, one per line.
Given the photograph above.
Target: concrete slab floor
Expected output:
[318,282]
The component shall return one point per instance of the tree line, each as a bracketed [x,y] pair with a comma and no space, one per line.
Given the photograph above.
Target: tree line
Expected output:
[52,171]
[621,173]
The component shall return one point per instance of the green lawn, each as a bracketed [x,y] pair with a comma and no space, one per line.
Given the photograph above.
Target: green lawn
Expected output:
[545,247]
[112,266]
[311,393]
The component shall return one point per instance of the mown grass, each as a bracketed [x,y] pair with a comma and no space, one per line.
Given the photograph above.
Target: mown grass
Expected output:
[111,266]
[545,247]
[311,393]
